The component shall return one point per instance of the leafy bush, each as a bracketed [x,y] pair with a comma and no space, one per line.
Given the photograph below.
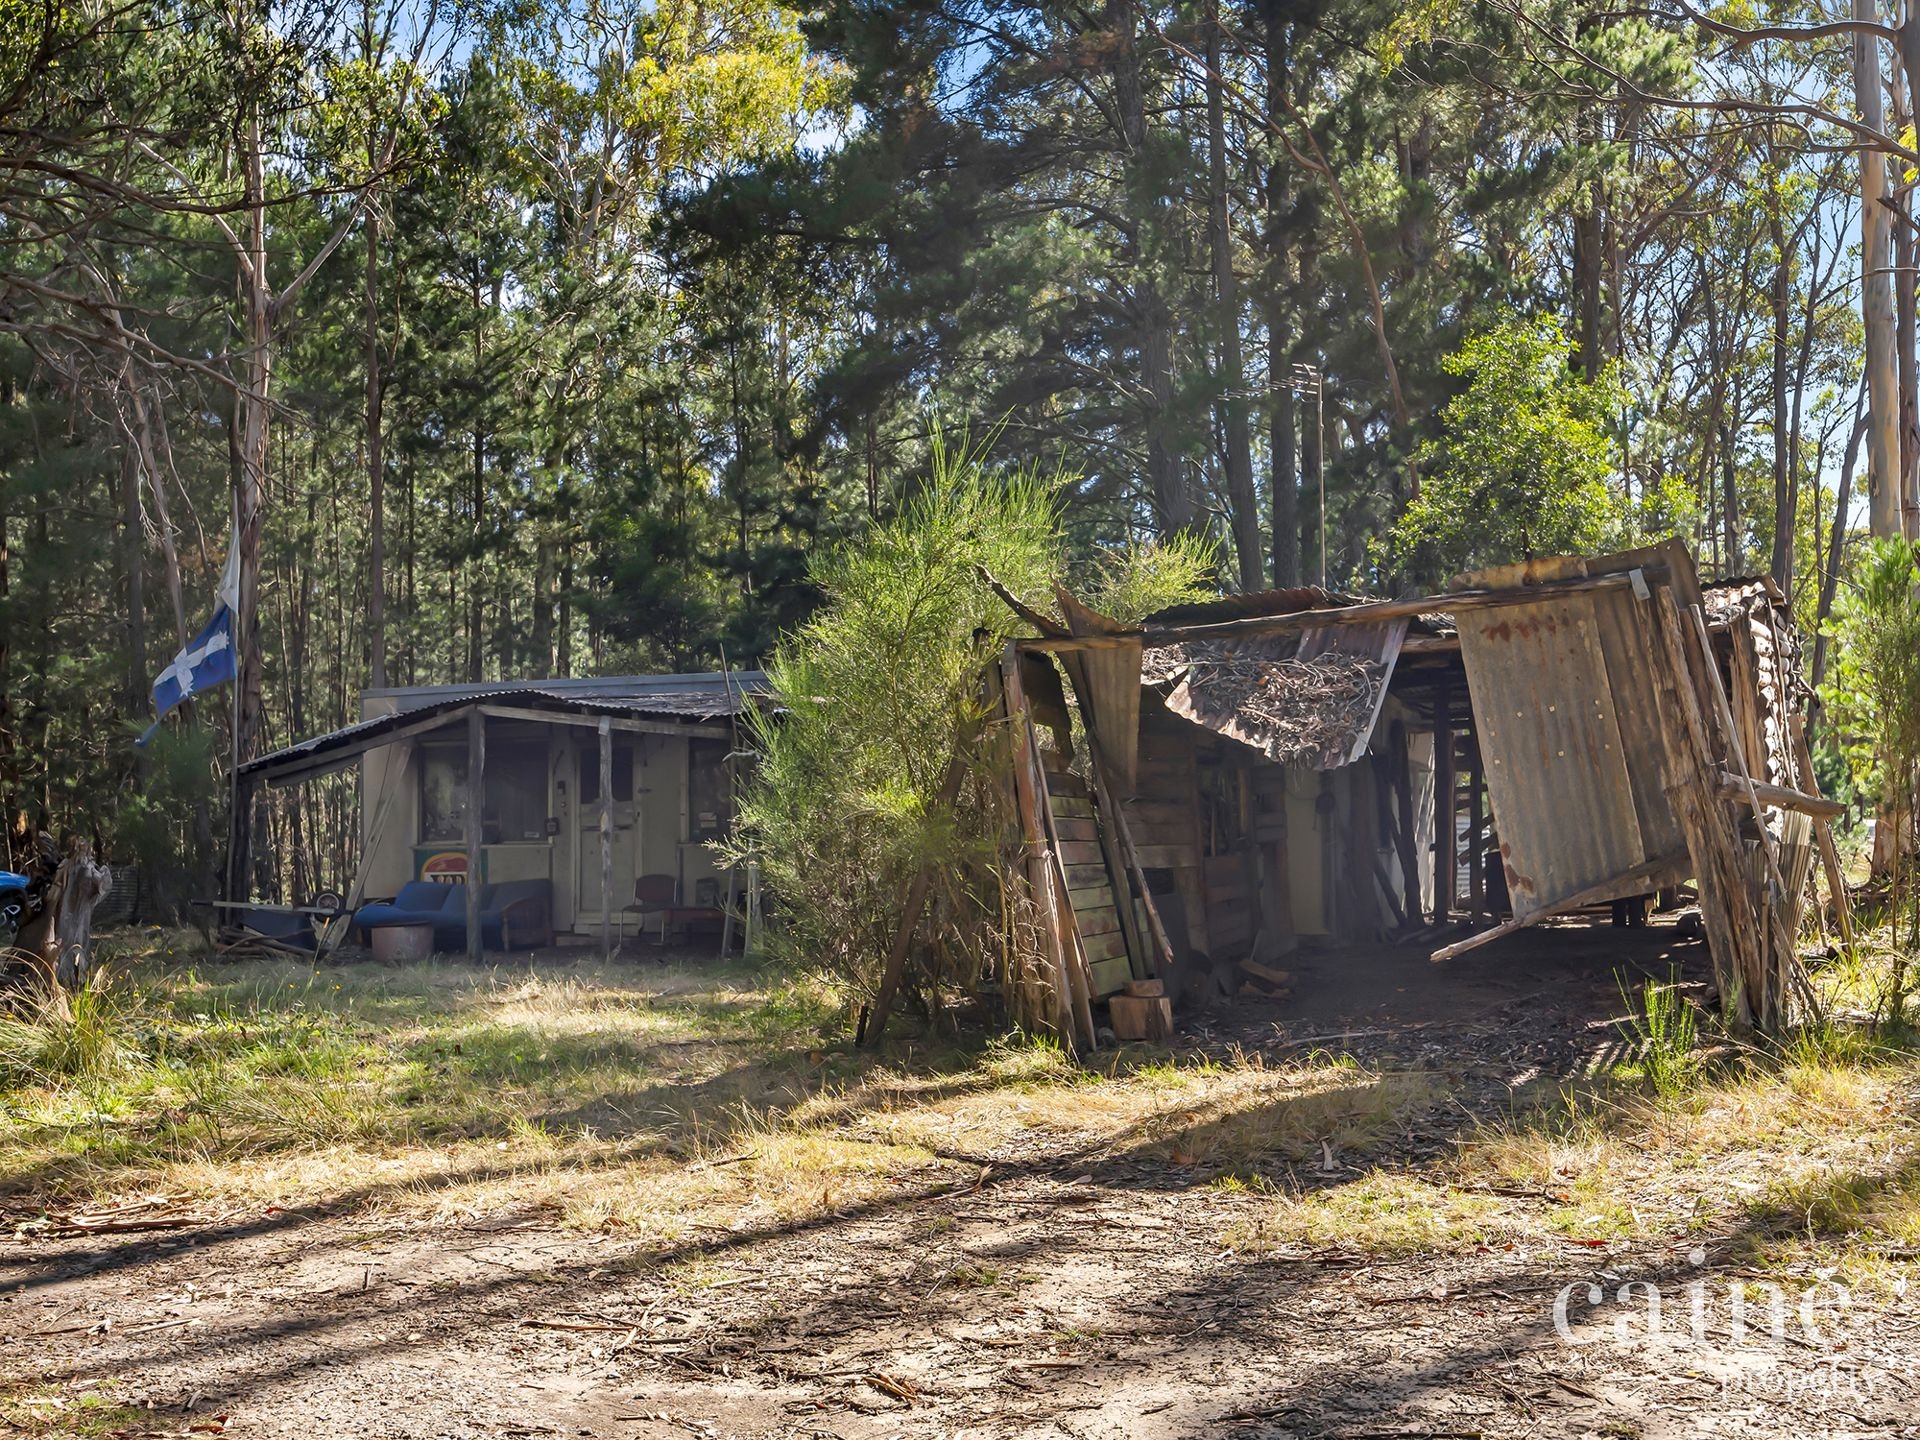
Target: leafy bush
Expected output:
[1526,464]
[872,694]
[1873,700]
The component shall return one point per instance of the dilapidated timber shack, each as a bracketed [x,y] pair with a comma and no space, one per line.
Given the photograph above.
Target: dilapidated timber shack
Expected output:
[1241,777]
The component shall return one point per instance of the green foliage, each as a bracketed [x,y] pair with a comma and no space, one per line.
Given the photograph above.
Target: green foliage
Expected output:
[875,691]
[1664,1034]
[1132,583]
[155,825]
[1526,464]
[1873,701]
[1873,697]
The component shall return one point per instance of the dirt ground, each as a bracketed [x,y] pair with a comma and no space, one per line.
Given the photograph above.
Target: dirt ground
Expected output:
[1021,1289]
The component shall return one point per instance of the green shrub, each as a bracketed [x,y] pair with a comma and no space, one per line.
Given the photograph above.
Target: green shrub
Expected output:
[1665,1035]
[873,695]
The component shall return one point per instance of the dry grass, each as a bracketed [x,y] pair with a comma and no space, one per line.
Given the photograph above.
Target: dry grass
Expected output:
[671,1103]
[662,1102]
[68,1412]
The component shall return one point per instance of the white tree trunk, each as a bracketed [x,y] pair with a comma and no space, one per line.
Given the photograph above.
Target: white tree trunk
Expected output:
[1884,480]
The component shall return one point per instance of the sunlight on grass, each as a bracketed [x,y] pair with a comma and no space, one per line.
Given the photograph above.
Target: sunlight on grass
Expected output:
[72,1413]
[685,1105]
[1380,1214]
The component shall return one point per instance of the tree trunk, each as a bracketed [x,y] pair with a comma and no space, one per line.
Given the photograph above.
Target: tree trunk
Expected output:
[1783,488]
[1284,475]
[133,562]
[62,933]
[250,486]
[565,648]
[376,474]
[1876,293]
[1238,458]
[1730,496]
[1905,256]
[1312,444]
[1173,501]
[1587,256]
[543,606]
[1836,547]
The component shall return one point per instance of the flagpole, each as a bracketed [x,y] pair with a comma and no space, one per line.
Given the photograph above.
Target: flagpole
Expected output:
[236,880]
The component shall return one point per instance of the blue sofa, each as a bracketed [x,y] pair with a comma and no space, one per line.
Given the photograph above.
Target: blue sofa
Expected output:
[513,914]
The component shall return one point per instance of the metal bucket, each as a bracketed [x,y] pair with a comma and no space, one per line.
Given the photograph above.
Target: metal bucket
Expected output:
[395,943]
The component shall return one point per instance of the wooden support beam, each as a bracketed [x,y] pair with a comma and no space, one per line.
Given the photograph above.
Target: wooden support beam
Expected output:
[1476,850]
[1738,787]
[1779,972]
[606,837]
[1630,883]
[476,825]
[1446,869]
[1034,848]
[706,729]
[1401,758]
[1726,900]
[1079,973]
[1838,896]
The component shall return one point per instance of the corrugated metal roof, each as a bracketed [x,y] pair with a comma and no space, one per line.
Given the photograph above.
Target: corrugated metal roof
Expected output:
[691,698]
[694,686]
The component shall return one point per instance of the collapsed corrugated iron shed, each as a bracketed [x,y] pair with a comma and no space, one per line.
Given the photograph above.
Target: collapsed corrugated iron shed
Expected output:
[1295,764]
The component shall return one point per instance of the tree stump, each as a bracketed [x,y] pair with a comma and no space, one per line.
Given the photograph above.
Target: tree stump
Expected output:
[61,935]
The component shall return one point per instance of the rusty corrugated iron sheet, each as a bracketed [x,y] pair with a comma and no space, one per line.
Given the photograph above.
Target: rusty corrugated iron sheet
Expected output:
[1254,604]
[1111,689]
[1556,762]
[689,698]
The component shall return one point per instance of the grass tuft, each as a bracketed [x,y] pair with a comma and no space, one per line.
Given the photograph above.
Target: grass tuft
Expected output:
[1664,1034]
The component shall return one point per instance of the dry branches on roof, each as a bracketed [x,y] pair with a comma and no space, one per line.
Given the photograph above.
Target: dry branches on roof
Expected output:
[1288,709]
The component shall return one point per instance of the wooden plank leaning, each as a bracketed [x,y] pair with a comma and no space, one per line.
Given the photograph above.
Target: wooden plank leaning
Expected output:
[1733,940]
[1073,950]
[1784,973]
[1036,852]
[335,930]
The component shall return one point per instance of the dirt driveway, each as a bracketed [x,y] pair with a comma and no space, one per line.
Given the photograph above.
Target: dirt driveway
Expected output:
[1019,1285]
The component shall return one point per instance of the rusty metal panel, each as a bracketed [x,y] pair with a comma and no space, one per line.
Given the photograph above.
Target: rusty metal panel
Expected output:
[1556,766]
[1110,694]
[1621,617]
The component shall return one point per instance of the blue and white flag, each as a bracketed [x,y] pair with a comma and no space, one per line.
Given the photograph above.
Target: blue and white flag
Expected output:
[208,660]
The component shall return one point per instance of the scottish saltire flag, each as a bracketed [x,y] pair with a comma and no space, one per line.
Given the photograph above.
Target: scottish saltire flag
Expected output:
[207,662]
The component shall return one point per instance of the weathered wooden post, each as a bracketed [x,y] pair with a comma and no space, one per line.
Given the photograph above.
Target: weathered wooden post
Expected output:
[476,823]
[1445,868]
[606,838]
